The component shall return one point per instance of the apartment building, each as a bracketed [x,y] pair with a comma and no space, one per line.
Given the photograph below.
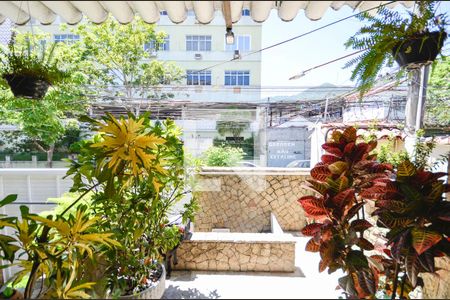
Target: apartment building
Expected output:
[195,47]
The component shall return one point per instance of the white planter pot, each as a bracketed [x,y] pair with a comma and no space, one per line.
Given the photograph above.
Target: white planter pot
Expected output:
[153,292]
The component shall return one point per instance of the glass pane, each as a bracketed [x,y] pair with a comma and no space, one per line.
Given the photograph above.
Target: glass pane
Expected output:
[247,80]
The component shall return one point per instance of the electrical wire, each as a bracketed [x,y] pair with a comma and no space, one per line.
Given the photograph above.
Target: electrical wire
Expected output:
[293,38]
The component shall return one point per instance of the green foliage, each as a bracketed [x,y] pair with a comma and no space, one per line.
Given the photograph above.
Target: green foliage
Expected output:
[386,154]
[438,94]
[414,210]
[233,127]
[422,151]
[31,57]
[339,181]
[222,156]
[385,31]
[64,204]
[55,248]
[43,122]
[135,171]
[247,145]
[114,54]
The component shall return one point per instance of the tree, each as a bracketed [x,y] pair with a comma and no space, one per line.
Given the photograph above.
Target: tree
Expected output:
[107,54]
[43,121]
[438,96]
[119,59]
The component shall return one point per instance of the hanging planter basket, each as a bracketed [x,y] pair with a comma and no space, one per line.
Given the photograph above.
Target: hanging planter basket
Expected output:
[27,86]
[420,49]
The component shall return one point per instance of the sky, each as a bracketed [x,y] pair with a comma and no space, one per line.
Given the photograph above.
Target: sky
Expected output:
[282,62]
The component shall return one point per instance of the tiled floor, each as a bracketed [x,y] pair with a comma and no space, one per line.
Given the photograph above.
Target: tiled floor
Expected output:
[306,282]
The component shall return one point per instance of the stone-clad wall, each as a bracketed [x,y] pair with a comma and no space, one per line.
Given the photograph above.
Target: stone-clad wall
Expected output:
[242,199]
[438,286]
[261,252]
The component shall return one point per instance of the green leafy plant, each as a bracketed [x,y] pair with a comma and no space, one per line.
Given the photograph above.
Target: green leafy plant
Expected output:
[135,173]
[413,209]
[55,248]
[222,156]
[384,35]
[337,233]
[33,59]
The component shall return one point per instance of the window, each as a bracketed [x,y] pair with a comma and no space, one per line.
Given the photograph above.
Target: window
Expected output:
[154,46]
[198,78]
[246,12]
[198,43]
[241,43]
[237,77]
[163,13]
[66,38]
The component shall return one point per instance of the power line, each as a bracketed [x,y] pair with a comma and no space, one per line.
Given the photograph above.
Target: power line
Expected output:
[295,37]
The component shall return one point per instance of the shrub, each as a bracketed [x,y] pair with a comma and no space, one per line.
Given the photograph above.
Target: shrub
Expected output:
[223,156]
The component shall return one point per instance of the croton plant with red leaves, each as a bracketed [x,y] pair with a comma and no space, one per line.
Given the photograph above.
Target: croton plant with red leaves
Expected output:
[418,218]
[345,172]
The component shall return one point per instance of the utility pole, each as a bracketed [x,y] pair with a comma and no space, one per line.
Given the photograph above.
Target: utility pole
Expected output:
[415,105]
[325,111]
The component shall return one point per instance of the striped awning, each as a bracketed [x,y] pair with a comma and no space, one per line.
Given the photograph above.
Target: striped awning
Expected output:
[20,12]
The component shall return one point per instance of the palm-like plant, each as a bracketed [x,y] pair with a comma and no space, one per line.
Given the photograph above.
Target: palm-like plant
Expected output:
[386,37]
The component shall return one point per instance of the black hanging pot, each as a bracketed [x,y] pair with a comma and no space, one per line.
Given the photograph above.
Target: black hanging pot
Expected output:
[421,48]
[27,86]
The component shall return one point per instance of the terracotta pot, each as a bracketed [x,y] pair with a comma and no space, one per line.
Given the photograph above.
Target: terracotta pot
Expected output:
[421,48]
[27,86]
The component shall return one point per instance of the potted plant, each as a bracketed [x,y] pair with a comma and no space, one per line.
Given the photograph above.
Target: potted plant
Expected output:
[53,250]
[135,171]
[417,217]
[389,36]
[337,233]
[29,68]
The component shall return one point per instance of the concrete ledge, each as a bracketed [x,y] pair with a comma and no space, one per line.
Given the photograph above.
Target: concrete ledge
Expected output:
[242,252]
[253,171]
[241,237]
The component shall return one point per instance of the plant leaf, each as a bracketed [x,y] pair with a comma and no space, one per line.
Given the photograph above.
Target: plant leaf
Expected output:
[312,246]
[352,211]
[338,167]
[8,199]
[366,282]
[346,283]
[342,198]
[356,259]
[406,169]
[364,244]
[320,173]
[349,134]
[412,266]
[311,229]
[360,225]
[423,239]
[312,206]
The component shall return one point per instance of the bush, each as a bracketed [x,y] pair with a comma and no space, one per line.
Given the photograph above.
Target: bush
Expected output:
[247,145]
[223,156]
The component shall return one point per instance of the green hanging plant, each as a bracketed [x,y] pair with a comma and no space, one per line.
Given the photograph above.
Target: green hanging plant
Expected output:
[29,67]
[389,36]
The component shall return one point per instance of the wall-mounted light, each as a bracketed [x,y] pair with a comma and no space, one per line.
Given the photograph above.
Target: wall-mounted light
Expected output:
[229,36]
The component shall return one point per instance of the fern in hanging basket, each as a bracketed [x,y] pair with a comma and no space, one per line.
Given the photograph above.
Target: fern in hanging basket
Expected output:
[389,37]
[31,70]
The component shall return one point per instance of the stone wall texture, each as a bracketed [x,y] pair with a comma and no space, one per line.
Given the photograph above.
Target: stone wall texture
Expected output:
[438,286]
[237,255]
[242,200]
